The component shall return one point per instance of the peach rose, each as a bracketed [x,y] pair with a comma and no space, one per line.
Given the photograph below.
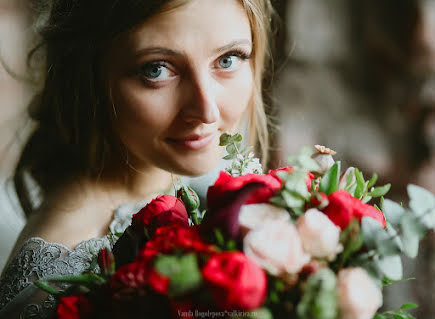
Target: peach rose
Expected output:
[276,247]
[254,215]
[358,295]
[320,237]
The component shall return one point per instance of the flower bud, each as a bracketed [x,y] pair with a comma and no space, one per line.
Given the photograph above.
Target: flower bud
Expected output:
[189,198]
[106,261]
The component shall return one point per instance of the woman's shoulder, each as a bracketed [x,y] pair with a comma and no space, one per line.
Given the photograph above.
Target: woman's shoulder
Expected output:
[37,259]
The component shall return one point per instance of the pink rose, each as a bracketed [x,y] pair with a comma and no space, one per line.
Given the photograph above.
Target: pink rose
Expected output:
[277,247]
[320,237]
[358,295]
[254,215]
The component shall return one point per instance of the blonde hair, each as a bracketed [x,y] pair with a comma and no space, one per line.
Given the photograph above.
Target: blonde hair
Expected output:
[260,14]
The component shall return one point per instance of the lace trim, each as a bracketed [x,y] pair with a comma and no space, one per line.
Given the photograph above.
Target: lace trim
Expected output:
[39,259]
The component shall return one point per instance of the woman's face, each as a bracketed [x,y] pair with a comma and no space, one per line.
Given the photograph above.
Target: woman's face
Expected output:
[178,81]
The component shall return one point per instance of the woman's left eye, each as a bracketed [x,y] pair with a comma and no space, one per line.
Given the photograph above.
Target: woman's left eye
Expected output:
[231,61]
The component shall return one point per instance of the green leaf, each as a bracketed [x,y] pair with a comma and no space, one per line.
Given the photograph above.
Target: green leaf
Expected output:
[224,139]
[412,231]
[87,279]
[371,230]
[296,182]
[372,180]
[237,138]
[42,284]
[360,184]
[278,201]
[352,240]
[329,182]
[393,212]
[379,191]
[422,202]
[231,149]
[377,238]
[408,306]
[319,299]
[230,157]
[391,266]
[183,272]
[292,199]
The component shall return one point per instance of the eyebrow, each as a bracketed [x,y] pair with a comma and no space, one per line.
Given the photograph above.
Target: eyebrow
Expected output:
[166,51]
[232,45]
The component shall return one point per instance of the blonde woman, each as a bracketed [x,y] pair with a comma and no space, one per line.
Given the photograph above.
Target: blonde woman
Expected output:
[134,91]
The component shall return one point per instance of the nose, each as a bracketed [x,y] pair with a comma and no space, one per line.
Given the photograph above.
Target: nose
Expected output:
[201,100]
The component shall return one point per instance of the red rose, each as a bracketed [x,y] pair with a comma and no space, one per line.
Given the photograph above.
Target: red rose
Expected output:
[75,307]
[235,281]
[167,239]
[162,211]
[135,279]
[226,184]
[343,207]
[289,169]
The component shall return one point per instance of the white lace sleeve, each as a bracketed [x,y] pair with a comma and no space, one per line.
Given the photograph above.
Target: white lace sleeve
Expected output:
[37,259]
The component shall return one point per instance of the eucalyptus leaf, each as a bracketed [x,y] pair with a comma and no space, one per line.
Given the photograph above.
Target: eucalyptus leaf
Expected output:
[412,231]
[230,157]
[237,138]
[371,230]
[393,212]
[231,149]
[278,201]
[292,199]
[224,139]
[391,266]
[296,182]
[330,180]
[422,202]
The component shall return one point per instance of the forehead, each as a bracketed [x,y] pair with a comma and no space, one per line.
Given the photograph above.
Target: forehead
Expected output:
[214,22]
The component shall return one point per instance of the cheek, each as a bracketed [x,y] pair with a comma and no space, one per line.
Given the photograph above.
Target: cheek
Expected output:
[235,98]
[139,112]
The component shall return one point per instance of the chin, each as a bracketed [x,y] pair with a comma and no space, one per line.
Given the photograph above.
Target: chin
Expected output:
[196,166]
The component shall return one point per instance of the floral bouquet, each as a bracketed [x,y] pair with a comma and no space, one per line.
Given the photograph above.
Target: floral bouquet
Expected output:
[298,242]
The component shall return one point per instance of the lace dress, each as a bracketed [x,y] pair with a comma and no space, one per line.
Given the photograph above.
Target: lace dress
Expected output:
[20,298]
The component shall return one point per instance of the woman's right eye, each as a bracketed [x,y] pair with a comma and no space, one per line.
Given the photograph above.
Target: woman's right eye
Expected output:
[155,72]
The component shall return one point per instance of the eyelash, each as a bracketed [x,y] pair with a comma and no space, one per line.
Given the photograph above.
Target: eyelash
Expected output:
[242,55]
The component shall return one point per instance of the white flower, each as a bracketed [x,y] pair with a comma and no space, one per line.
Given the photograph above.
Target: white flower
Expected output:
[343,178]
[254,215]
[276,247]
[320,236]
[245,164]
[358,295]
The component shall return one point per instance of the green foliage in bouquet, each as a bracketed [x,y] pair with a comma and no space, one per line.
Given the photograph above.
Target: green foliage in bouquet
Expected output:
[260,238]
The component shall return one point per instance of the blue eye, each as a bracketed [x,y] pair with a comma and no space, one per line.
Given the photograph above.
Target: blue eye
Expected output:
[226,61]
[156,72]
[152,71]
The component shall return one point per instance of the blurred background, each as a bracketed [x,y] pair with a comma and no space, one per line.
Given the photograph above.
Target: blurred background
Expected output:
[356,76]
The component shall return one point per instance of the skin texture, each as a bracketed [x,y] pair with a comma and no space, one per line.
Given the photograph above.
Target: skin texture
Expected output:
[198,81]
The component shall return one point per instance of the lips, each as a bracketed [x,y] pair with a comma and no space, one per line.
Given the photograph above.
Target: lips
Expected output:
[193,141]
